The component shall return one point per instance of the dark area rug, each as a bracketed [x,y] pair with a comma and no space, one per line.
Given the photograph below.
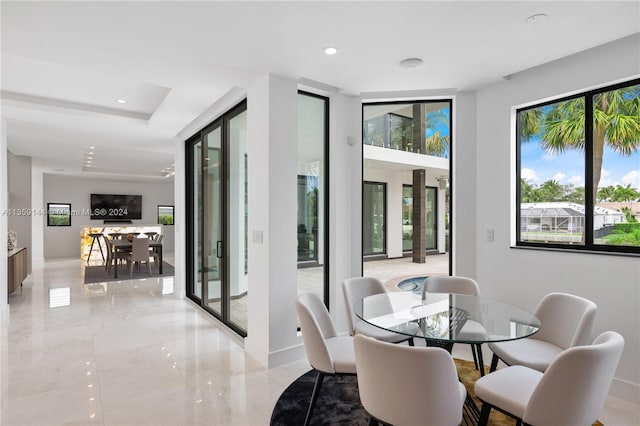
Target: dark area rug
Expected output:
[339,401]
[97,274]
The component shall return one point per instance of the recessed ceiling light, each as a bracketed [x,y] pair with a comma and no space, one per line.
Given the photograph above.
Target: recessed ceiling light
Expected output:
[330,50]
[411,63]
[121,101]
[538,18]
[92,147]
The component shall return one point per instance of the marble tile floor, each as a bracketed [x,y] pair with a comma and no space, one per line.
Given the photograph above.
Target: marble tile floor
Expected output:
[132,353]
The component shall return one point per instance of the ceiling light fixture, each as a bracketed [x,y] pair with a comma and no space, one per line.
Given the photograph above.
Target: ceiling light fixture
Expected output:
[537,19]
[411,63]
[121,101]
[330,50]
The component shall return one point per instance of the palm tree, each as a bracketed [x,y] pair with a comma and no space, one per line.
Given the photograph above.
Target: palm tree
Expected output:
[616,122]
[436,142]
[528,192]
[551,190]
[625,193]
[606,193]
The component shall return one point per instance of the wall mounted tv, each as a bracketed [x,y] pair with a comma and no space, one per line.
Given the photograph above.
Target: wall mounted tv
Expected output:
[116,207]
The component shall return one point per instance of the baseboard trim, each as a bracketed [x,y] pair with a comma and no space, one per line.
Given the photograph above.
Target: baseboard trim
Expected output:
[286,356]
[625,390]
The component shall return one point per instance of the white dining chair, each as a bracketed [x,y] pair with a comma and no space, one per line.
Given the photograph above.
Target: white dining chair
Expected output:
[354,289]
[328,353]
[473,330]
[566,320]
[404,385]
[572,391]
[139,254]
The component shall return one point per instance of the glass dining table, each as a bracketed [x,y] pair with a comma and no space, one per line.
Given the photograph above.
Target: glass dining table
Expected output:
[443,319]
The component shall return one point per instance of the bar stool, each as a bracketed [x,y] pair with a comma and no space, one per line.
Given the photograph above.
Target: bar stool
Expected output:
[115,235]
[151,235]
[95,236]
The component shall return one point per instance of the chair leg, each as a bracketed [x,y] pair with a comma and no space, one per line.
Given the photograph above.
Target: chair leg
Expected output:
[475,357]
[484,414]
[314,397]
[494,363]
[480,360]
[411,342]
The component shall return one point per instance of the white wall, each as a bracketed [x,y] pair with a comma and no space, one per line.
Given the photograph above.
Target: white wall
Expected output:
[463,182]
[64,241]
[19,184]
[524,276]
[4,302]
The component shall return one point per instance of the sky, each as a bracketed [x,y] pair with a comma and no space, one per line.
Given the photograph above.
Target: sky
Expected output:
[538,166]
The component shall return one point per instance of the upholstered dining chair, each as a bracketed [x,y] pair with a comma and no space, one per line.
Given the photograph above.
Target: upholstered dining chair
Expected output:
[460,285]
[111,254]
[139,253]
[328,353]
[404,385]
[572,391]
[355,289]
[566,320]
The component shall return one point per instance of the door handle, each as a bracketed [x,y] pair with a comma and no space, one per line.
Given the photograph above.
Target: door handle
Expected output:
[219,249]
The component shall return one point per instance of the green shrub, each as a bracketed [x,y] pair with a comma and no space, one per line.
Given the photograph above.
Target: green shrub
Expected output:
[626,228]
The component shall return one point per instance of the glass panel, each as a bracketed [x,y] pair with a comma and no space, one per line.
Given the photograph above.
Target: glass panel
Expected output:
[238,279]
[422,131]
[373,211]
[307,217]
[552,173]
[407,218]
[430,217]
[165,215]
[197,219]
[311,193]
[421,128]
[616,180]
[213,248]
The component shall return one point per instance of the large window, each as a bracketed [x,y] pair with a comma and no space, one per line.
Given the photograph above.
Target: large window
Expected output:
[312,194]
[578,165]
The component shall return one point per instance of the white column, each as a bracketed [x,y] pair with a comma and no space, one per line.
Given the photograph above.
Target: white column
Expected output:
[272,153]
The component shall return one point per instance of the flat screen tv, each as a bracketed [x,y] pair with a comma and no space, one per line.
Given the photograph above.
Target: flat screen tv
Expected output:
[116,207]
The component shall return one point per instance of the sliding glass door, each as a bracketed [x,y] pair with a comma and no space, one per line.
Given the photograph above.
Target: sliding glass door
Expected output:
[216,212]
[374,207]
[430,217]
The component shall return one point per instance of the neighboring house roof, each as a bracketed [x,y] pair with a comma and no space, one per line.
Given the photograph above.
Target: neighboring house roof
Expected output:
[562,209]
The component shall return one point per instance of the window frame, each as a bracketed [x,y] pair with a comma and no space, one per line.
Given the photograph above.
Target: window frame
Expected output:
[173,214]
[589,246]
[50,209]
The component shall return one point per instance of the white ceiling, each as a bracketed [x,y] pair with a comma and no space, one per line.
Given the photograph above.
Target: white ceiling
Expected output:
[64,64]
